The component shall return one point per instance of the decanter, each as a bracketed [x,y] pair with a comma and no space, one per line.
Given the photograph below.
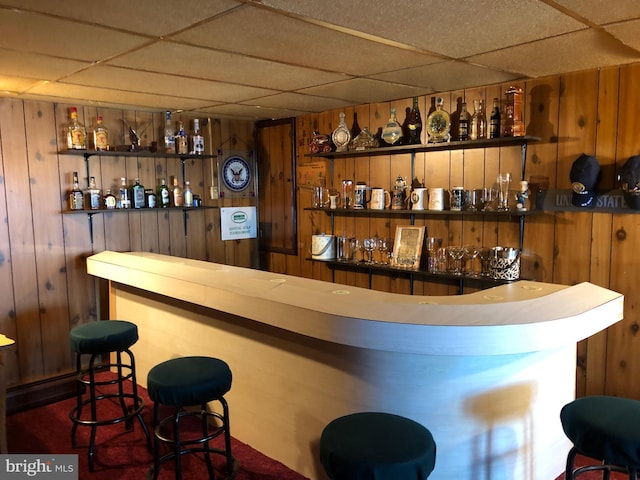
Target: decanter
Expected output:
[341,136]
[439,123]
[392,132]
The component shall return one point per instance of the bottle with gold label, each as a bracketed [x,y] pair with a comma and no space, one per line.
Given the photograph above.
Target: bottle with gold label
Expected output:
[415,124]
[178,199]
[76,133]
[100,135]
[439,123]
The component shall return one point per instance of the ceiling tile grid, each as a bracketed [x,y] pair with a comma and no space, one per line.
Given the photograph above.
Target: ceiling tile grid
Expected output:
[258,59]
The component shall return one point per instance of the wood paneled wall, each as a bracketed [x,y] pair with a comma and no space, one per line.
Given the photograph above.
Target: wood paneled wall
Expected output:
[45,290]
[594,112]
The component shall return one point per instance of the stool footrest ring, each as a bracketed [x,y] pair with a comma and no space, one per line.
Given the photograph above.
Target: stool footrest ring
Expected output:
[132,412]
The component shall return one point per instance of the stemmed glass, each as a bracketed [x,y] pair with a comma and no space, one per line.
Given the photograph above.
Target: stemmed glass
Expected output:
[471,253]
[456,254]
[384,245]
[370,244]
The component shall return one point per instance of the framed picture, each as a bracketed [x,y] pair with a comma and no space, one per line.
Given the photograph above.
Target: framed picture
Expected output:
[407,247]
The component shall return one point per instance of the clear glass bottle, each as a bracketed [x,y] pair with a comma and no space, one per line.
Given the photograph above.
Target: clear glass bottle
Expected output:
[415,124]
[182,142]
[197,140]
[110,201]
[187,195]
[138,194]
[392,131]
[100,135]
[169,140]
[124,197]
[463,124]
[494,119]
[76,195]
[341,136]
[76,132]
[94,194]
[178,199]
[164,197]
[478,121]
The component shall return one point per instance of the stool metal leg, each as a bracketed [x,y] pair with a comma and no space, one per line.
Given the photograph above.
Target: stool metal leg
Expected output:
[205,435]
[176,443]
[94,410]
[227,435]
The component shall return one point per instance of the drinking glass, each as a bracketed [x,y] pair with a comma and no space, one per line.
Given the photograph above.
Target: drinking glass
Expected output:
[504,182]
[370,244]
[456,254]
[471,252]
[484,255]
[384,245]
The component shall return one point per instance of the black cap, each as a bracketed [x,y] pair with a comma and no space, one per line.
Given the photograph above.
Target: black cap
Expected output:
[629,176]
[584,177]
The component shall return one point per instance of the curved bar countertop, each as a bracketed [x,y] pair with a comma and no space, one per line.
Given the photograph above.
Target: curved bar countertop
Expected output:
[494,340]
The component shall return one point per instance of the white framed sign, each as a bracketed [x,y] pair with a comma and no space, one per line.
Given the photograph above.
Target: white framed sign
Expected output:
[238,222]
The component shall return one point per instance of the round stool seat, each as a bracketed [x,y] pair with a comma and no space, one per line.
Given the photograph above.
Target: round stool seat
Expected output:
[377,445]
[188,381]
[103,337]
[604,427]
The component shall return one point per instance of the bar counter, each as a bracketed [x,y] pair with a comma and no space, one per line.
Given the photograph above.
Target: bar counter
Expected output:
[486,372]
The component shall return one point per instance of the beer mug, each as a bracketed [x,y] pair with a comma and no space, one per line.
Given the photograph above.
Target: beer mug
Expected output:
[457,198]
[418,197]
[320,197]
[380,199]
[360,199]
[436,199]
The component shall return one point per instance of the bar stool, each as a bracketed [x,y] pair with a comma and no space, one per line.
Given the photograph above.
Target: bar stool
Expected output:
[376,445]
[605,428]
[97,339]
[190,382]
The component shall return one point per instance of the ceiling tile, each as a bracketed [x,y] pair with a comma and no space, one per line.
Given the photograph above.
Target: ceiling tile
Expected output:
[627,32]
[147,17]
[51,36]
[456,28]
[129,80]
[37,66]
[450,75]
[297,101]
[600,12]
[227,67]
[568,53]
[364,90]
[10,85]
[277,37]
[252,112]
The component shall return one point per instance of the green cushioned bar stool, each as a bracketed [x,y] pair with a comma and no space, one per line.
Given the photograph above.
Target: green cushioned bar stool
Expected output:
[604,428]
[380,446]
[190,382]
[99,339]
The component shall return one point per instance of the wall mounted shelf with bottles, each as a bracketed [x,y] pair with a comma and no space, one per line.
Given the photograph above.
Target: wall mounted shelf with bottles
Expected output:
[87,154]
[522,142]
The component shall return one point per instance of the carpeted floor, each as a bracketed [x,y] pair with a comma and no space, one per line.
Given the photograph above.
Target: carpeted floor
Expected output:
[123,454]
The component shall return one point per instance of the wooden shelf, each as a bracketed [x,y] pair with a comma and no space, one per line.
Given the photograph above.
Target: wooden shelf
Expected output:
[126,153]
[134,210]
[432,147]
[365,212]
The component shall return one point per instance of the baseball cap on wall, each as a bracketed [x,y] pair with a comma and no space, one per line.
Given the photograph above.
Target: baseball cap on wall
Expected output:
[584,177]
[629,176]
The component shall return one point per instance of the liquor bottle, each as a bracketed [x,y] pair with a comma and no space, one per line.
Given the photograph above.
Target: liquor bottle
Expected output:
[110,201]
[439,123]
[178,199]
[415,124]
[197,140]
[169,140]
[187,195]
[355,128]
[392,131]
[478,121]
[463,124]
[124,197]
[138,194]
[100,135]
[76,133]
[149,198]
[182,142]
[341,136]
[94,194]
[164,197]
[76,196]
[494,120]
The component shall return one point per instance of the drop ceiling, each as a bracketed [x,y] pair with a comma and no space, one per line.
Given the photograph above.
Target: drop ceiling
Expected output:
[282,58]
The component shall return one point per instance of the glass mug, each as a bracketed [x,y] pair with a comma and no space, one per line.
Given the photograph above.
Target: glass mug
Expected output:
[347,194]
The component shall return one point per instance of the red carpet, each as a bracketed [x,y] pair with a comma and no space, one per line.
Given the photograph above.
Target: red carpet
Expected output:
[123,454]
